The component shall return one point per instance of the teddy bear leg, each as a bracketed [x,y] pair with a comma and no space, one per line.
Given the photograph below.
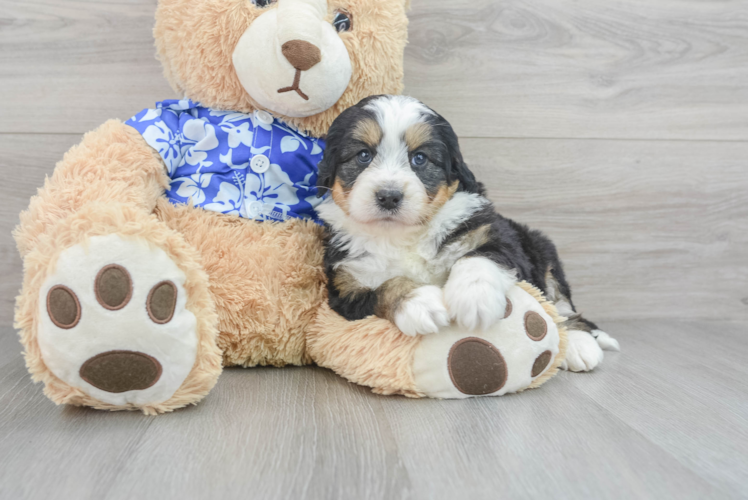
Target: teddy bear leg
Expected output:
[115,313]
[370,352]
[522,350]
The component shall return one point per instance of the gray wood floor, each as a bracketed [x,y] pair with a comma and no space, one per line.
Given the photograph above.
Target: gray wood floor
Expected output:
[665,418]
[620,128]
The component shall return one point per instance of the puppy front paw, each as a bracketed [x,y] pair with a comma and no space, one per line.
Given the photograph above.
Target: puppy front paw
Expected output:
[475,293]
[583,353]
[422,312]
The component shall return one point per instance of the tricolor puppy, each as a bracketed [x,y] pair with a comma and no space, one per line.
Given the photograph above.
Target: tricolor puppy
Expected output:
[410,236]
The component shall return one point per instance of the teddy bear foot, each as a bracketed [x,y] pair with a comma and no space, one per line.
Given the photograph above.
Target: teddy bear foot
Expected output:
[114,322]
[520,351]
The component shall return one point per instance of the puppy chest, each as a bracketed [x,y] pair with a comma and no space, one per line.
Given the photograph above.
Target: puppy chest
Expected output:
[374,269]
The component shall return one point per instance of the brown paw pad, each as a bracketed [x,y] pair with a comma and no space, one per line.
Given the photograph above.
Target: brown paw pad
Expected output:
[508,310]
[121,371]
[162,300]
[113,287]
[63,307]
[535,325]
[541,362]
[476,367]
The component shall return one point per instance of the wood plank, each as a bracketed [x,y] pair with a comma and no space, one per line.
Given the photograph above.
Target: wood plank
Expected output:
[279,433]
[645,229]
[674,69]
[549,443]
[652,422]
[58,451]
[688,401]
[71,65]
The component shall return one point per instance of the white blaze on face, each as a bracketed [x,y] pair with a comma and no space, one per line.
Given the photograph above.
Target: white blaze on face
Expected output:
[390,168]
[263,69]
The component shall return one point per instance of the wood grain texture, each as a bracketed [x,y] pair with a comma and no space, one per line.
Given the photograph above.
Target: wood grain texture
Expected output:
[674,69]
[658,420]
[71,65]
[646,229]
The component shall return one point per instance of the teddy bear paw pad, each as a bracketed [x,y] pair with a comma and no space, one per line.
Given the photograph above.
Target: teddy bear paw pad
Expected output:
[476,367]
[506,358]
[114,322]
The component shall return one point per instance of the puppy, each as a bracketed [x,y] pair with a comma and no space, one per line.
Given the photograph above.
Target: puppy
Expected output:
[410,236]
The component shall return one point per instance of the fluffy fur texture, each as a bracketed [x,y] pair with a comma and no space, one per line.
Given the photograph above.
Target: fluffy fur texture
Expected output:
[112,163]
[266,280]
[374,352]
[199,65]
[404,207]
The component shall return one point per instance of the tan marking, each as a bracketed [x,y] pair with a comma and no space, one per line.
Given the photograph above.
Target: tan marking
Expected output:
[471,240]
[340,196]
[417,135]
[368,132]
[437,200]
[391,294]
[347,285]
[476,238]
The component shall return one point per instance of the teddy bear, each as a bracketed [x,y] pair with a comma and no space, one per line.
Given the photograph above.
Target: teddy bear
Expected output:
[185,239]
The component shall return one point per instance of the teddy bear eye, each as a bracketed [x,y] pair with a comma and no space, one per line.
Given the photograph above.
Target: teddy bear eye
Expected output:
[263,3]
[342,21]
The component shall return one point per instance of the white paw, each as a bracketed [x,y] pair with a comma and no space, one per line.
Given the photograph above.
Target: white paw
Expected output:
[605,341]
[583,353]
[423,312]
[114,322]
[475,292]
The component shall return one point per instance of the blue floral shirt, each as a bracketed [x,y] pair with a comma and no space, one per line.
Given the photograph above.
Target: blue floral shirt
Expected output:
[251,165]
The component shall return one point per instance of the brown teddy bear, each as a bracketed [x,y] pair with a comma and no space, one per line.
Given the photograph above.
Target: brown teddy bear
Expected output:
[186,239]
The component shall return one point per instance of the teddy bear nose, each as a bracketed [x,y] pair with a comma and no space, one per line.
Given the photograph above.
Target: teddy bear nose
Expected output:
[301,54]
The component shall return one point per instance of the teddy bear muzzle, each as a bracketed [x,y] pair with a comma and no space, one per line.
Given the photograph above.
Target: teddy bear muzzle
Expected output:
[121,371]
[291,59]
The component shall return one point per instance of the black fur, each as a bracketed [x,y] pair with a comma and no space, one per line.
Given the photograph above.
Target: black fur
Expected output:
[351,308]
[456,168]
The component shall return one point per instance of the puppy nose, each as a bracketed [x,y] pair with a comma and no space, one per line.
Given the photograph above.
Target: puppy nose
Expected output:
[302,55]
[389,199]
[121,371]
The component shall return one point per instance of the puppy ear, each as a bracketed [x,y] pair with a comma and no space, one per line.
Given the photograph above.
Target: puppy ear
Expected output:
[459,170]
[464,175]
[326,176]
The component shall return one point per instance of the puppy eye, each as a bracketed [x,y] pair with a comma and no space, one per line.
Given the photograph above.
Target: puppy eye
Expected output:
[342,21]
[263,3]
[418,160]
[363,157]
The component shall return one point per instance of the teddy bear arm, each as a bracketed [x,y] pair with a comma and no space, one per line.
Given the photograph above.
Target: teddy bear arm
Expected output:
[112,164]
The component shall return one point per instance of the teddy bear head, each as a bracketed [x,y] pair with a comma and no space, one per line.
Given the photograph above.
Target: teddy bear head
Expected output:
[305,61]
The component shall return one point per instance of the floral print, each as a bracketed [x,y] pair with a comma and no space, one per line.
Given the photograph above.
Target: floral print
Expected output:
[209,156]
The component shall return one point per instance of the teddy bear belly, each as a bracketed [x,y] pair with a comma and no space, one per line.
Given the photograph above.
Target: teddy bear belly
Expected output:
[266,279]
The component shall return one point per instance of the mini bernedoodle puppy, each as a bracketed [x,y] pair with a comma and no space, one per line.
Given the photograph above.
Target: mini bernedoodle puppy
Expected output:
[410,236]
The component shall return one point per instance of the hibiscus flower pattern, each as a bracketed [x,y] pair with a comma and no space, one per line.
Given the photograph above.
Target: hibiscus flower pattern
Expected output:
[251,165]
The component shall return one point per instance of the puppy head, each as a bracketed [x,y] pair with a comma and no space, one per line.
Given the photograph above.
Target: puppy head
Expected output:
[392,160]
